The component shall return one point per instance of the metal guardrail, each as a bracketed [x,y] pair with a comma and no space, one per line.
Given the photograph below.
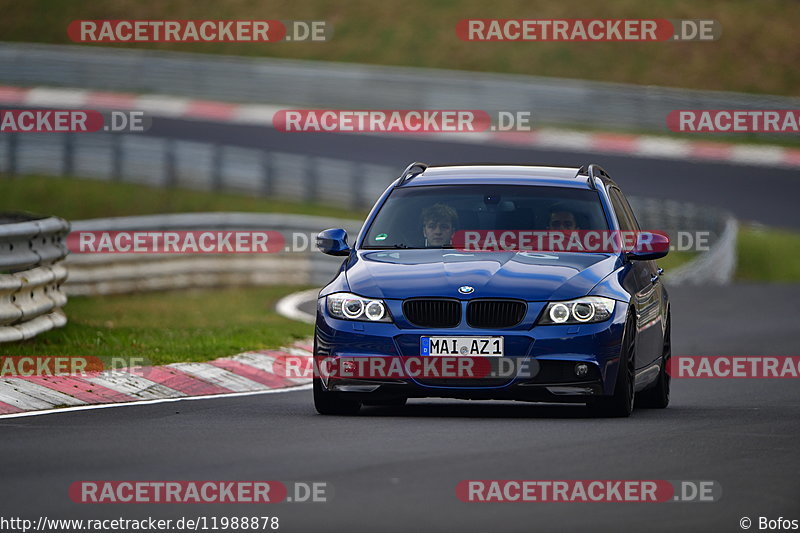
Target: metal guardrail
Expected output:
[31,275]
[169,162]
[717,264]
[559,101]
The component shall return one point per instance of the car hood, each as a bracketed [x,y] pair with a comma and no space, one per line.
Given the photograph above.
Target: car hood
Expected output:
[400,274]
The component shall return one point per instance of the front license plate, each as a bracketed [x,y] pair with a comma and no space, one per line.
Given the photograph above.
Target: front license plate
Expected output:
[469,346]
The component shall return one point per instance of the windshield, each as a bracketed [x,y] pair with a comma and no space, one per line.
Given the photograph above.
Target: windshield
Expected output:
[428,216]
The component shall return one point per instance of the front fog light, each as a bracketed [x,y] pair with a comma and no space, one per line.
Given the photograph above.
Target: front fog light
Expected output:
[559,313]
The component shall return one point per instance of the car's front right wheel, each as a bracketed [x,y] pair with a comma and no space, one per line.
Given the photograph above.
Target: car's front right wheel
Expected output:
[331,402]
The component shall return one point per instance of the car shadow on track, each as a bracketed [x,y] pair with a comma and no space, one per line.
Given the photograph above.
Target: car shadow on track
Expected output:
[484,409]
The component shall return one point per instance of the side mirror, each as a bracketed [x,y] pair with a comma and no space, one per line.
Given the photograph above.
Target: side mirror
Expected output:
[649,245]
[333,242]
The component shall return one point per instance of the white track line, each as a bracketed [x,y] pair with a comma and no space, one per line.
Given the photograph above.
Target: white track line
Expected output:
[150,402]
[288,305]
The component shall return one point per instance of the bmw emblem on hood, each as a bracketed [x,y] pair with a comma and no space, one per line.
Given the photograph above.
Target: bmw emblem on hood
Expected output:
[466,289]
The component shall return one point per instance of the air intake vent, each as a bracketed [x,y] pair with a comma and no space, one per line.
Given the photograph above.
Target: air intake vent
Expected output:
[495,313]
[433,313]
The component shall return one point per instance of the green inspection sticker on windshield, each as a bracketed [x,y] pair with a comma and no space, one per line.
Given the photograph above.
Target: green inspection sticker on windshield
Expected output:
[381,237]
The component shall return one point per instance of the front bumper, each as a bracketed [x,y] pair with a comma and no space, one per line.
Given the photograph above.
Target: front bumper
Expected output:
[548,353]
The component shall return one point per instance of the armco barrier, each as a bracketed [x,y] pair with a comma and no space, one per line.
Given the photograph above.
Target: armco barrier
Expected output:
[31,275]
[717,266]
[167,162]
[566,102]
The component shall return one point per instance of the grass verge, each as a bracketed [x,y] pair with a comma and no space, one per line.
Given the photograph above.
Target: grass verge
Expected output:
[169,327]
[754,54]
[675,259]
[77,199]
[767,254]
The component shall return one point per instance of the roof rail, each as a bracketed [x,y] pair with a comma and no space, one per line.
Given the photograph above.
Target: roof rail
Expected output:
[412,170]
[592,170]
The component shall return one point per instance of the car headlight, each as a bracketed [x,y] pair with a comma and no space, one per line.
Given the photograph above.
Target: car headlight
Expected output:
[351,307]
[584,310]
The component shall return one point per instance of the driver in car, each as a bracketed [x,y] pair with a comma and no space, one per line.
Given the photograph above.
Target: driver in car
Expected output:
[439,221]
[562,219]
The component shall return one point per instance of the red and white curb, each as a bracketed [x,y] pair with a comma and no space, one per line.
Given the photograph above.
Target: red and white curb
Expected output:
[248,373]
[557,139]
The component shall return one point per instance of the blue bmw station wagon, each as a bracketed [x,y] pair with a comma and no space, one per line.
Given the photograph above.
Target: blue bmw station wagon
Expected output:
[580,326]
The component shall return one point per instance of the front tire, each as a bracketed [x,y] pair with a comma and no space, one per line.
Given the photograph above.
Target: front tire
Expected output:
[657,397]
[620,404]
[333,403]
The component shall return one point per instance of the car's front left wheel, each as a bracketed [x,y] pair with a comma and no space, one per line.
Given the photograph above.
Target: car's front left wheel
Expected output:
[620,404]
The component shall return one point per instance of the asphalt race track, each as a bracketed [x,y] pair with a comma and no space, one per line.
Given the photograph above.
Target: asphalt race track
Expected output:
[753,193]
[396,469]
